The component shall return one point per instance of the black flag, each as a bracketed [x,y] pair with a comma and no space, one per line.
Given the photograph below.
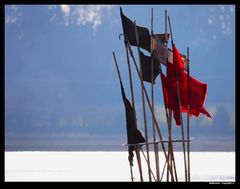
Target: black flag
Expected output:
[133,134]
[146,68]
[129,31]
[143,33]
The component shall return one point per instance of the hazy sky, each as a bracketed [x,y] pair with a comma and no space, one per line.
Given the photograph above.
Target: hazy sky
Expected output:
[61,82]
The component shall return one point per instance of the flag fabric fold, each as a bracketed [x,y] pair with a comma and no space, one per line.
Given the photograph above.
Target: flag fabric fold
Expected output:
[143,33]
[134,136]
[161,52]
[146,68]
[171,98]
[198,90]
[129,30]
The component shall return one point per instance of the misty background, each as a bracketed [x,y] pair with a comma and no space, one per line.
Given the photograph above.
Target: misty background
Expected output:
[61,86]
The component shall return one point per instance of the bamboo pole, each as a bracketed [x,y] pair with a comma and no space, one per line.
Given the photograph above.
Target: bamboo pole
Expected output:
[131,172]
[137,152]
[170,150]
[172,160]
[180,112]
[188,117]
[157,141]
[149,104]
[163,170]
[167,116]
[144,109]
[147,162]
[171,142]
[133,103]
[119,77]
[152,95]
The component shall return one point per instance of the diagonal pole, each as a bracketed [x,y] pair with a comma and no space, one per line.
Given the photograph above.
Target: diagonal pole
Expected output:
[149,104]
[137,151]
[147,162]
[170,147]
[133,103]
[144,110]
[152,96]
[180,111]
[119,77]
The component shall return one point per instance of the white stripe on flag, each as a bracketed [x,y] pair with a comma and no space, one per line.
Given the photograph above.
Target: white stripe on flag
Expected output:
[161,52]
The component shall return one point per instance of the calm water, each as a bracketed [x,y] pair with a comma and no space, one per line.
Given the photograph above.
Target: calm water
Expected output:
[111,166]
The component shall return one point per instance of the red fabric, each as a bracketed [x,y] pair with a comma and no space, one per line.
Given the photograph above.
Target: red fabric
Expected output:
[197,89]
[198,92]
[171,98]
[177,61]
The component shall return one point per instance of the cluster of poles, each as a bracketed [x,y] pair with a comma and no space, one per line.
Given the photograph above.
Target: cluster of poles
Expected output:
[168,154]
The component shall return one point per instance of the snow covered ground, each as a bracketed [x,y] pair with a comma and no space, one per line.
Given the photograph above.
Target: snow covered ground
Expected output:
[111,166]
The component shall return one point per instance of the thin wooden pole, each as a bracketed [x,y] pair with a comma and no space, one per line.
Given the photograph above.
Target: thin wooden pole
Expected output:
[167,116]
[119,77]
[144,109]
[163,170]
[131,171]
[147,162]
[137,152]
[149,104]
[157,141]
[170,149]
[152,95]
[172,160]
[188,117]
[133,104]
[180,111]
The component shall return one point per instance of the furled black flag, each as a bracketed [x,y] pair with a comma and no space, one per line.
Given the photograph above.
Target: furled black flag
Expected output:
[143,33]
[134,136]
[146,68]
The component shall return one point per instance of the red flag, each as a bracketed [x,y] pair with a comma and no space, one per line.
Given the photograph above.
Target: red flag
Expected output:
[171,98]
[197,97]
[177,61]
[173,70]
[197,90]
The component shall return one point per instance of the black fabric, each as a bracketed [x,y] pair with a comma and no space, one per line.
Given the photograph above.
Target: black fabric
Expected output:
[129,31]
[146,68]
[134,136]
[143,33]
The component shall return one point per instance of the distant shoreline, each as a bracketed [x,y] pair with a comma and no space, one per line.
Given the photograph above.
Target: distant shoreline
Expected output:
[99,150]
